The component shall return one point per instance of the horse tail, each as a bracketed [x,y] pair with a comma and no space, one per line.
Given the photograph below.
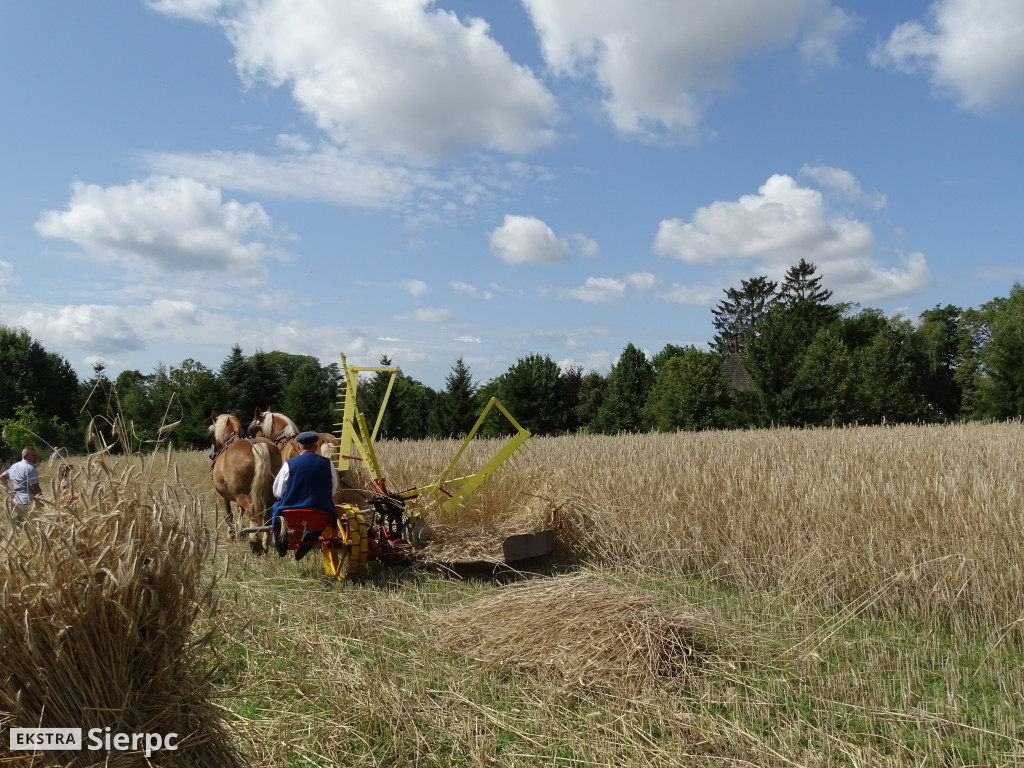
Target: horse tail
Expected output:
[262,481]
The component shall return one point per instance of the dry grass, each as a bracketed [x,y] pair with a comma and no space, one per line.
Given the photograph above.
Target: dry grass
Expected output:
[832,598]
[920,522]
[98,613]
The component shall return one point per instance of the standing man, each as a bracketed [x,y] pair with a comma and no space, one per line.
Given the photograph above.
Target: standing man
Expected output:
[307,481]
[21,481]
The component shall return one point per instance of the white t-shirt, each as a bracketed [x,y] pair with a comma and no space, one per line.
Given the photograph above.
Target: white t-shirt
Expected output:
[22,476]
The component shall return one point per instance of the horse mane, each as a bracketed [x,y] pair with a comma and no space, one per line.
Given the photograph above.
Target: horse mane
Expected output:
[267,425]
[225,426]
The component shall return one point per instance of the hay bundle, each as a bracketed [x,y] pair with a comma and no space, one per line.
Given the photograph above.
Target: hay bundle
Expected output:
[98,616]
[578,629]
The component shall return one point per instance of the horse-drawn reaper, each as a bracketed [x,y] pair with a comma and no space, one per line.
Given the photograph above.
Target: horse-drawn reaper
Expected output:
[382,525]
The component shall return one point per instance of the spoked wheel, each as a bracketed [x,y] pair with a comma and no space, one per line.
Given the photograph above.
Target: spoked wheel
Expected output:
[335,555]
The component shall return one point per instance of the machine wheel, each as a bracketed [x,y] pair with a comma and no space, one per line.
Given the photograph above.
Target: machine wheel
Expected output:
[348,559]
[336,556]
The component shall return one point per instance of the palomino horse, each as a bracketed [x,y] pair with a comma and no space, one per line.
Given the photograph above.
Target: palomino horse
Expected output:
[282,430]
[243,472]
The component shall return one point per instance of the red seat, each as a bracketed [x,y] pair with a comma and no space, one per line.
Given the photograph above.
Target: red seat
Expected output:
[300,520]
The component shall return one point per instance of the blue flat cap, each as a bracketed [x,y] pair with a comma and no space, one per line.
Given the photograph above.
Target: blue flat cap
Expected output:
[307,437]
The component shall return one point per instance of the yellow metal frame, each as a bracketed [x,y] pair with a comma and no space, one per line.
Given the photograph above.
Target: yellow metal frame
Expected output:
[353,430]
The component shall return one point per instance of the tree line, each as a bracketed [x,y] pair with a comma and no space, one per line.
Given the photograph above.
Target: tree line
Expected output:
[783,354]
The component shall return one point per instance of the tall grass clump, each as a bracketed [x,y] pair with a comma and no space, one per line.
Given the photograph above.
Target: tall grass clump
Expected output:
[102,600]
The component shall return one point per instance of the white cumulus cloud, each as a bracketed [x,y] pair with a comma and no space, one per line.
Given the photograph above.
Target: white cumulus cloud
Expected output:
[173,224]
[844,183]
[970,49]
[196,10]
[466,289]
[604,290]
[172,313]
[642,281]
[783,223]
[6,276]
[657,60]
[587,246]
[861,279]
[599,290]
[395,78]
[525,239]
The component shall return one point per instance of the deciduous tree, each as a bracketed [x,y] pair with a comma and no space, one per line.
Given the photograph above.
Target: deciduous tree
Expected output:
[819,393]
[884,383]
[29,373]
[1003,357]
[198,392]
[593,387]
[689,393]
[310,395]
[934,346]
[534,392]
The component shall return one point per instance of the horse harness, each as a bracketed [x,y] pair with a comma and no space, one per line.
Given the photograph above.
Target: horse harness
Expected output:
[216,452]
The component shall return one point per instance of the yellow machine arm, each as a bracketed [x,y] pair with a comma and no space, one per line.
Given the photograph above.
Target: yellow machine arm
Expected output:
[466,485]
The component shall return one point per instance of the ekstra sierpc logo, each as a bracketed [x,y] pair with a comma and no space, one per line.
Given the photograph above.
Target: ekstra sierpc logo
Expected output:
[48,739]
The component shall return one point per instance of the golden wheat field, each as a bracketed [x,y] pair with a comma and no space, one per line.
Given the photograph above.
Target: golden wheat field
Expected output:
[835,597]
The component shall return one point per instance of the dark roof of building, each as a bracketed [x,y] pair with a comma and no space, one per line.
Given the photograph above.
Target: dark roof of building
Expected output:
[734,371]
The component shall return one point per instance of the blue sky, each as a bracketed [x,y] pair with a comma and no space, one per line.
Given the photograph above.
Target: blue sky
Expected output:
[488,180]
